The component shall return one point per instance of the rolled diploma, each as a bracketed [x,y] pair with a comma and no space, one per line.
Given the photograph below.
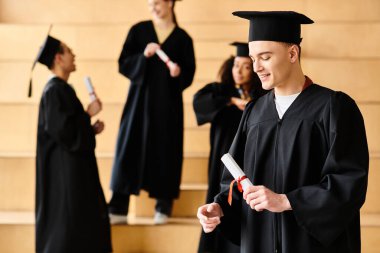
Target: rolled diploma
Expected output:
[164,58]
[90,88]
[235,170]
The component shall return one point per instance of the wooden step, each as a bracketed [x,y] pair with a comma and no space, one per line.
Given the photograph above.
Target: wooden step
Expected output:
[372,204]
[17,181]
[141,235]
[191,197]
[19,134]
[180,235]
[17,184]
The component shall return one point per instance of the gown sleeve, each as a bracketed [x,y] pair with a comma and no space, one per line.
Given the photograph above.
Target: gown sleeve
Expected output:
[208,102]
[230,225]
[132,62]
[325,209]
[187,64]
[66,121]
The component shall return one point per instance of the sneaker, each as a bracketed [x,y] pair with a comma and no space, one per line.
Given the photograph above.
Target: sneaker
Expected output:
[117,219]
[160,218]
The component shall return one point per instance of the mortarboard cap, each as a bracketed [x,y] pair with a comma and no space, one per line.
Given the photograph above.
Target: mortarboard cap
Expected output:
[241,49]
[281,26]
[45,55]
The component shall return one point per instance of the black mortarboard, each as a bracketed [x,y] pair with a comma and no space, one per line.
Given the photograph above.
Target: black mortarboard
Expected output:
[241,49]
[281,26]
[45,55]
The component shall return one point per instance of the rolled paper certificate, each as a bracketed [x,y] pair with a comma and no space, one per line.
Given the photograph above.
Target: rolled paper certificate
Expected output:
[90,88]
[242,180]
[164,58]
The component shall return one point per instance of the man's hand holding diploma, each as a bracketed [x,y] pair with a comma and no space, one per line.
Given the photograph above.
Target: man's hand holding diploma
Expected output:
[260,198]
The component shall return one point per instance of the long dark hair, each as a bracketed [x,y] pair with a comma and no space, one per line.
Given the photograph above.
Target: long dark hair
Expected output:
[225,76]
[173,12]
[225,72]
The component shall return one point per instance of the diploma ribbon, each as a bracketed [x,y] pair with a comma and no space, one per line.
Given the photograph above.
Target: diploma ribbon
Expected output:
[168,63]
[240,188]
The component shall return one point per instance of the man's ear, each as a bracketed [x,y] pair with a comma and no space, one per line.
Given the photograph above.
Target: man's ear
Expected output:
[57,59]
[293,53]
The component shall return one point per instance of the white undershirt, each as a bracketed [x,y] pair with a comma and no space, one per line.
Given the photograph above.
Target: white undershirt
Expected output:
[283,103]
[51,76]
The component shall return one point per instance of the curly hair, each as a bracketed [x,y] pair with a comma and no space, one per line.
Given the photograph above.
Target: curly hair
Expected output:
[225,75]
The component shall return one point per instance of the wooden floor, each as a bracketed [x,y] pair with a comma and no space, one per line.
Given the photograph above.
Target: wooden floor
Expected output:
[142,236]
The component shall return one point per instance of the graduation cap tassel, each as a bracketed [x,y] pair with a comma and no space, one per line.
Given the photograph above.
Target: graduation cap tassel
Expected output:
[30,88]
[44,56]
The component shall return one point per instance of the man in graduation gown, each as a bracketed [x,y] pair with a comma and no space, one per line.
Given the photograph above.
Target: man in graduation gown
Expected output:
[305,150]
[71,212]
[222,104]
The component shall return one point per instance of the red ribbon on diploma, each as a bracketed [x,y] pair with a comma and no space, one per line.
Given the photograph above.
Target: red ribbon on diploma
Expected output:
[240,188]
[168,63]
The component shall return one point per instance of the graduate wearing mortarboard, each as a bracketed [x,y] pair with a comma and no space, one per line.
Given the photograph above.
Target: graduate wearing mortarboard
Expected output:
[222,104]
[71,211]
[303,147]
[149,146]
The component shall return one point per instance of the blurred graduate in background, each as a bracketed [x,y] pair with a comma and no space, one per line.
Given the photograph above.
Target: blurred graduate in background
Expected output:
[71,211]
[222,104]
[149,146]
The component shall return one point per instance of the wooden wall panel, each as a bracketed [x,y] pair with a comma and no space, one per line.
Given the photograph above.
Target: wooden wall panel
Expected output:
[343,10]
[18,134]
[17,181]
[116,11]
[343,40]
[371,115]
[357,78]
[95,42]
[372,204]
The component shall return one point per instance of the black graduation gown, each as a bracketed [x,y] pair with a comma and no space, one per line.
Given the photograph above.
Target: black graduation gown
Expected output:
[317,155]
[150,141]
[71,211]
[211,106]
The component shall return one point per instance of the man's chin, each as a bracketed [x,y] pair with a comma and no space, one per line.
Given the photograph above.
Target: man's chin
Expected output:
[267,86]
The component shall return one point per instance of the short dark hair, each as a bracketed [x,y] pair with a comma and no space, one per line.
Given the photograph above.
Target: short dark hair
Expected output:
[293,44]
[61,50]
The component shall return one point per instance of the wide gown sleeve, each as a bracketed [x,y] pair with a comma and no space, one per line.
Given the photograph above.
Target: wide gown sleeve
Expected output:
[231,221]
[326,208]
[208,102]
[66,121]
[187,64]
[132,62]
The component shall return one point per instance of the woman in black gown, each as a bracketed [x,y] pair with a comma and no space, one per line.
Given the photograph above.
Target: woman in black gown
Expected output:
[150,141]
[222,105]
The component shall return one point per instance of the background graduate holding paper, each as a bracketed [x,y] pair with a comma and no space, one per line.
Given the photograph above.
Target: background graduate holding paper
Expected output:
[71,211]
[150,141]
[222,104]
